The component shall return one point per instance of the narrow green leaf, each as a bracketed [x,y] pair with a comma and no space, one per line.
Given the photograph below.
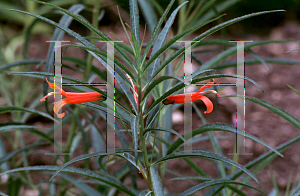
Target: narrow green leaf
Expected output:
[202,178]
[239,192]
[255,162]
[121,79]
[163,129]
[124,118]
[149,14]
[3,194]
[22,62]
[213,183]
[134,20]
[156,182]
[18,151]
[287,116]
[108,179]
[145,193]
[88,190]
[207,33]
[297,193]
[160,42]
[156,82]
[221,7]
[156,30]
[218,127]
[206,155]
[153,115]
[229,52]
[87,156]
[90,26]
[173,40]
[14,108]
[41,75]
[135,129]
[125,155]
[259,58]
[17,127]
[13,186]
[294,90]
[253,61]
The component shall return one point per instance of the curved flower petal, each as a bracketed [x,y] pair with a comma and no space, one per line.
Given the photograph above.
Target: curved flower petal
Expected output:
[208,104]
[58,105]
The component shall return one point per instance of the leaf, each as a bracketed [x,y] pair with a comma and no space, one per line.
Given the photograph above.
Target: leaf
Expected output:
[14,108]
[134,19]
[22,62]
[227,53]
[87,156]
[294,90]
[89,26]
[255,162]
[149,14]
[135,130]
[297,193]
[108,179]
[145,193]
[121,79]
[160,42]
[173,40]
[97,141]
[88,190]
[213,183]
[13,186]
[156,82]
[10,155]
[202,178]
[207,33]
[41,75]
[163,129]
[127,156]
[217,127]
[206,155]
[3,194]
[287,116]
[15,127]
[156,30]
[104,109]
[156,182]
[259,58]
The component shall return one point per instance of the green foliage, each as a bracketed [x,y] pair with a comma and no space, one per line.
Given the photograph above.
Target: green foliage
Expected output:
[144,151]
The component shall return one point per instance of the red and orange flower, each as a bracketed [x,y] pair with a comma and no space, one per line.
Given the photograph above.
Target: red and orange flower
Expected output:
[72,98]
[177,99]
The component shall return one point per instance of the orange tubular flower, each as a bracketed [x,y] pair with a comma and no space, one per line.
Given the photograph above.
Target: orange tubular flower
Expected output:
[72,98]
[176,99]
[135,89]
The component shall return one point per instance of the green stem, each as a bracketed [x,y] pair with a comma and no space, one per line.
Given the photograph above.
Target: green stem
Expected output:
[142,138]
[93,41]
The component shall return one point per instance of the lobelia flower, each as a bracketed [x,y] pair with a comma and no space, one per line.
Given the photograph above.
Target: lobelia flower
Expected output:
[72,98]
[176,99]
